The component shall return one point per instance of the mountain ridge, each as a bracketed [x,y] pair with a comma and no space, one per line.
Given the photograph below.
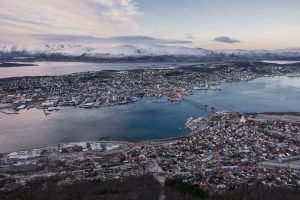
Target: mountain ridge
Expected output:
[137,52]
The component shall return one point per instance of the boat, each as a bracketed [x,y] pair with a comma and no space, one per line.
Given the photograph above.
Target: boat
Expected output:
[215,88]
[23,106]
[200,88]
[134,99]
[86,105]
[174,99]
[50,109]
[123,102]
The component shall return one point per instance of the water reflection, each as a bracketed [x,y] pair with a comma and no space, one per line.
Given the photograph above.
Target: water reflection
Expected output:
[59,68]
[143,120]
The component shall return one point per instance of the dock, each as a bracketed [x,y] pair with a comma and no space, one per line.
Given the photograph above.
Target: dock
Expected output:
[8,112]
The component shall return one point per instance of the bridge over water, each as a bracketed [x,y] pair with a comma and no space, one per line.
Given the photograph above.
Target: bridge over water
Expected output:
[206,104]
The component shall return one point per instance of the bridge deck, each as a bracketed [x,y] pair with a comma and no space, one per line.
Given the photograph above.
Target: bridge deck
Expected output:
[206,104]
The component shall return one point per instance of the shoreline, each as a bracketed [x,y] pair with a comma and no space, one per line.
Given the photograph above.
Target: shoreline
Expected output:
[223,145]
[188,133]
[213,87]
[161,140]
[97,83]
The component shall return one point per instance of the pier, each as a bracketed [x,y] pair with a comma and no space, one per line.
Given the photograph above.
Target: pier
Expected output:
[8,112]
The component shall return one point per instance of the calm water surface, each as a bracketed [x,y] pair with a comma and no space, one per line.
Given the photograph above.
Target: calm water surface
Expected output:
[60,68]
[143,120]
[278,94]
[280,62]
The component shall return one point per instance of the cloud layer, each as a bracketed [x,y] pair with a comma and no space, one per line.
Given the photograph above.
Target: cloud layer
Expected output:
[225,39]
[77,17]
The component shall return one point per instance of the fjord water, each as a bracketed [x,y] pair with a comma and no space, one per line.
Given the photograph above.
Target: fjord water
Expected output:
[267,94]
[138,121]
[281,62]
[60,68]
[144,119]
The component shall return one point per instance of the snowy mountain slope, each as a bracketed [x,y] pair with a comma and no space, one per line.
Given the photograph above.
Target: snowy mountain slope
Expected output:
[123,51]
[115,51]
[62,49]
[153,50]
[71,50]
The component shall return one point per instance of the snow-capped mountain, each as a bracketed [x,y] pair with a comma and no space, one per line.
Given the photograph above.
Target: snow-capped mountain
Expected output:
[293,52]
[62,49]
[124,51]
[153,50]
[111,52]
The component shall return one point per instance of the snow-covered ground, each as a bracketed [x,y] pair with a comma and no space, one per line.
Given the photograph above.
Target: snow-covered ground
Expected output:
[144,50]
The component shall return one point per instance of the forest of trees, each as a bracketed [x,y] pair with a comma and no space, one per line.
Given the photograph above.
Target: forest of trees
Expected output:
[139,188]
[260,192]
[143,187]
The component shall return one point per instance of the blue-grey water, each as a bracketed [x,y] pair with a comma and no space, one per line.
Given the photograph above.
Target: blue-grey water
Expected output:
[281,62]
[60,68]
[278,94]
[143,120]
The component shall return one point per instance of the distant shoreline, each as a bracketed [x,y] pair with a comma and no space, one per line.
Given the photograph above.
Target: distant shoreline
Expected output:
[13,64]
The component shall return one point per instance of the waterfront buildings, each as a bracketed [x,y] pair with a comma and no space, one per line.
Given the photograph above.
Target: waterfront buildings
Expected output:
[106,88]
[222,152]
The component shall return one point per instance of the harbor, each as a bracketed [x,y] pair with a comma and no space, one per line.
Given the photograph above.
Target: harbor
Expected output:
[223,151]
[147,118]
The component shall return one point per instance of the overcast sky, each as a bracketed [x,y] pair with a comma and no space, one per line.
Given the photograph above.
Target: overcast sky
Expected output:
[212,24]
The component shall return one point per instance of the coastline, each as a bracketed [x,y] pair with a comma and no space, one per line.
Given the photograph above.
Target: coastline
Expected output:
[224,145]
[186,88]
[212,87]
[16,64]
[166,140]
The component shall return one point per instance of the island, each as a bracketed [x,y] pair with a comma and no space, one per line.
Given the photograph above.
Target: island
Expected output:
[110,87]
